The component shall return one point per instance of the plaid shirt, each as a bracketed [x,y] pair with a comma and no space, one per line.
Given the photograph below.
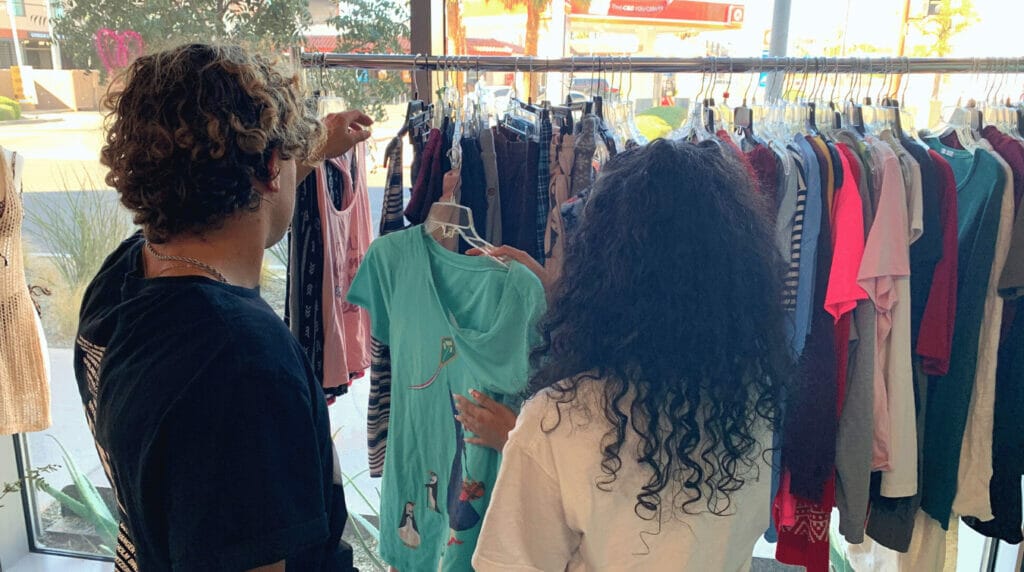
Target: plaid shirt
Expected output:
[543,187]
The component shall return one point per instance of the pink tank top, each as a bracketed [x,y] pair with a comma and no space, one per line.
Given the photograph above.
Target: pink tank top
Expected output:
[346,234]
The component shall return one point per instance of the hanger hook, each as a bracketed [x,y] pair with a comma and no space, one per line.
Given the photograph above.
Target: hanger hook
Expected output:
[728,83]
[703,73]
[823,71]
[415,81]
[710,88]
[882,94]
[750,82]
[572,71]
[871,78]
[629,62]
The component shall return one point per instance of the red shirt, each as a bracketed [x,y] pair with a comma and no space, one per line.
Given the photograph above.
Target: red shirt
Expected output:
[936,338]
[765,164]
[1012,152]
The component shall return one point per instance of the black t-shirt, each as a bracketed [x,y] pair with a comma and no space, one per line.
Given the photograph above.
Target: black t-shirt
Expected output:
[210,423]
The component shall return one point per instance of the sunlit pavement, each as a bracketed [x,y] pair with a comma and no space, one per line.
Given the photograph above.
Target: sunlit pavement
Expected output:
[62,150]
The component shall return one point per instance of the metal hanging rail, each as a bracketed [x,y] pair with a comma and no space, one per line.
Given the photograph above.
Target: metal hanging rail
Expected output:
[665,65]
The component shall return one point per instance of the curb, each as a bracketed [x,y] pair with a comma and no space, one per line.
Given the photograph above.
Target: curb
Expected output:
[28,121]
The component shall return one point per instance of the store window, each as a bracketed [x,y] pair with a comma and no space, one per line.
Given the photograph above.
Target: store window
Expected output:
[73,219]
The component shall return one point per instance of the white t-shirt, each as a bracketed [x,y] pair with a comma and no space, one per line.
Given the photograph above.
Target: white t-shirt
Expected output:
[547,513]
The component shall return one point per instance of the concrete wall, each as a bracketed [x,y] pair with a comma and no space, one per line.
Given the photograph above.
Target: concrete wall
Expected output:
[14,539]
[6,87]
[58,90]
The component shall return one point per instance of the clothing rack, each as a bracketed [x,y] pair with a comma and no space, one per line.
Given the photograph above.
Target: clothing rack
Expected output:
[627,64]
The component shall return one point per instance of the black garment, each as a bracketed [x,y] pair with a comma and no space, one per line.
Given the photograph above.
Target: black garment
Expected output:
[926,252]
[303,312]
[1007,438]
[517,171]
[810,421]
[474,187]
[210,422]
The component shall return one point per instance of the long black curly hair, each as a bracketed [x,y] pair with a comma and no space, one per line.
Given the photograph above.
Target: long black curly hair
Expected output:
[671,300]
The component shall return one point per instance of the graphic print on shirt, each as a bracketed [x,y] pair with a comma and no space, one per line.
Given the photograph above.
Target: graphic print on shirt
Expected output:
[447,356]
[407,529]
[462,489]
[354,258]
[432,492]
[92,357]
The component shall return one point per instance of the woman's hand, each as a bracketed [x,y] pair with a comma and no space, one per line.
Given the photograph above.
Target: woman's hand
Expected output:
[489,420]
[344,131]
[510,253]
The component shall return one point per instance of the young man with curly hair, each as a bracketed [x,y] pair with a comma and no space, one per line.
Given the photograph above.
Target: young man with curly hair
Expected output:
[209,421]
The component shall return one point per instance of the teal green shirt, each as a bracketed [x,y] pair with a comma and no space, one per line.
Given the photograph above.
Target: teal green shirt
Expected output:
[453,323]
[980,182]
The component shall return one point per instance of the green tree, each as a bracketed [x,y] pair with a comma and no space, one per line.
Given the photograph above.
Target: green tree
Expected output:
[264,24]
[947,19]
[367,26]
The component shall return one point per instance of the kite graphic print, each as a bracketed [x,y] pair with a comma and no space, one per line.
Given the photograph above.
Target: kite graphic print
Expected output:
[447,356]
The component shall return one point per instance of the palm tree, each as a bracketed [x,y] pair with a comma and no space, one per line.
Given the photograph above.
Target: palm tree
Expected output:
[456,32]
[534,9]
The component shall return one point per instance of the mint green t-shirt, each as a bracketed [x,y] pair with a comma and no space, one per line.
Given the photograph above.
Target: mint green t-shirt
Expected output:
[453,323]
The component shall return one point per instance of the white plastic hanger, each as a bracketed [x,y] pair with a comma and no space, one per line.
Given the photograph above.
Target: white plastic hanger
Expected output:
[453,219]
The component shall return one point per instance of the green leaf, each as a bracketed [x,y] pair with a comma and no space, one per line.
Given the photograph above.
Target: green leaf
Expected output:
[374,531]
[93,505]
[350,484]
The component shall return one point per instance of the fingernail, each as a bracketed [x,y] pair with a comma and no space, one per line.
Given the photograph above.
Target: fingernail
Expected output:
[475,393]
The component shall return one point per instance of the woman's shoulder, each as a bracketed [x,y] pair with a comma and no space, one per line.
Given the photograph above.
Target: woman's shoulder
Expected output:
[567,408]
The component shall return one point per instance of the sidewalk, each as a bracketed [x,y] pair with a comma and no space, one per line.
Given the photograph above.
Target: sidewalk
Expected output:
[62,150]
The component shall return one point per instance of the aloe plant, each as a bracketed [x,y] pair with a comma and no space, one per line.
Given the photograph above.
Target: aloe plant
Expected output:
[363,524]
[837,558]
[92,507]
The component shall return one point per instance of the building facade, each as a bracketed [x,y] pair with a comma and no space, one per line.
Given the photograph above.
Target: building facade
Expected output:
[25,27]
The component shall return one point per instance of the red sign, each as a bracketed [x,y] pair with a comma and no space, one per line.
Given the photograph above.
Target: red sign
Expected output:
[679,10]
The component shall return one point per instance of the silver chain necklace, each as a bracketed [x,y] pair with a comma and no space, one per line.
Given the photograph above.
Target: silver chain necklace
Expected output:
[192,261]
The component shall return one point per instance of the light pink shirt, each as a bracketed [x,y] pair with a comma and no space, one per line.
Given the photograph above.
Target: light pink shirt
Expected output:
[885,275]
[346,236]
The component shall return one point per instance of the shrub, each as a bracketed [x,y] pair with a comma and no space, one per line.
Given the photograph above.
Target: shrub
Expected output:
[672,115]
[78,232]
[9,109]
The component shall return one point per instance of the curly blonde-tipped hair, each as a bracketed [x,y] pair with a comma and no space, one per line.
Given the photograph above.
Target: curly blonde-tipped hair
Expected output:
[191,130]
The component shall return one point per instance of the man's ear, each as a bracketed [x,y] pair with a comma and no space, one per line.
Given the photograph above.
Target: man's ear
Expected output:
[274,169]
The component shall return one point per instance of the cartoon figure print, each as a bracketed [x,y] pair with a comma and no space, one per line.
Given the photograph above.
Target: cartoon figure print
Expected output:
[447,356]
[432,492]
[462,490]
[407,529]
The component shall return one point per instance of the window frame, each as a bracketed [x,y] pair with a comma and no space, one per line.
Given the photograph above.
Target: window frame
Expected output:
[23,462]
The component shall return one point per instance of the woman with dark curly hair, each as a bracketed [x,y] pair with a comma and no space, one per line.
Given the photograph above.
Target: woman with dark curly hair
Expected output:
[646,443]
[210,422]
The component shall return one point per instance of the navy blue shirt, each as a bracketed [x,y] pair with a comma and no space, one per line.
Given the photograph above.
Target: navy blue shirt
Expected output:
[212,427]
